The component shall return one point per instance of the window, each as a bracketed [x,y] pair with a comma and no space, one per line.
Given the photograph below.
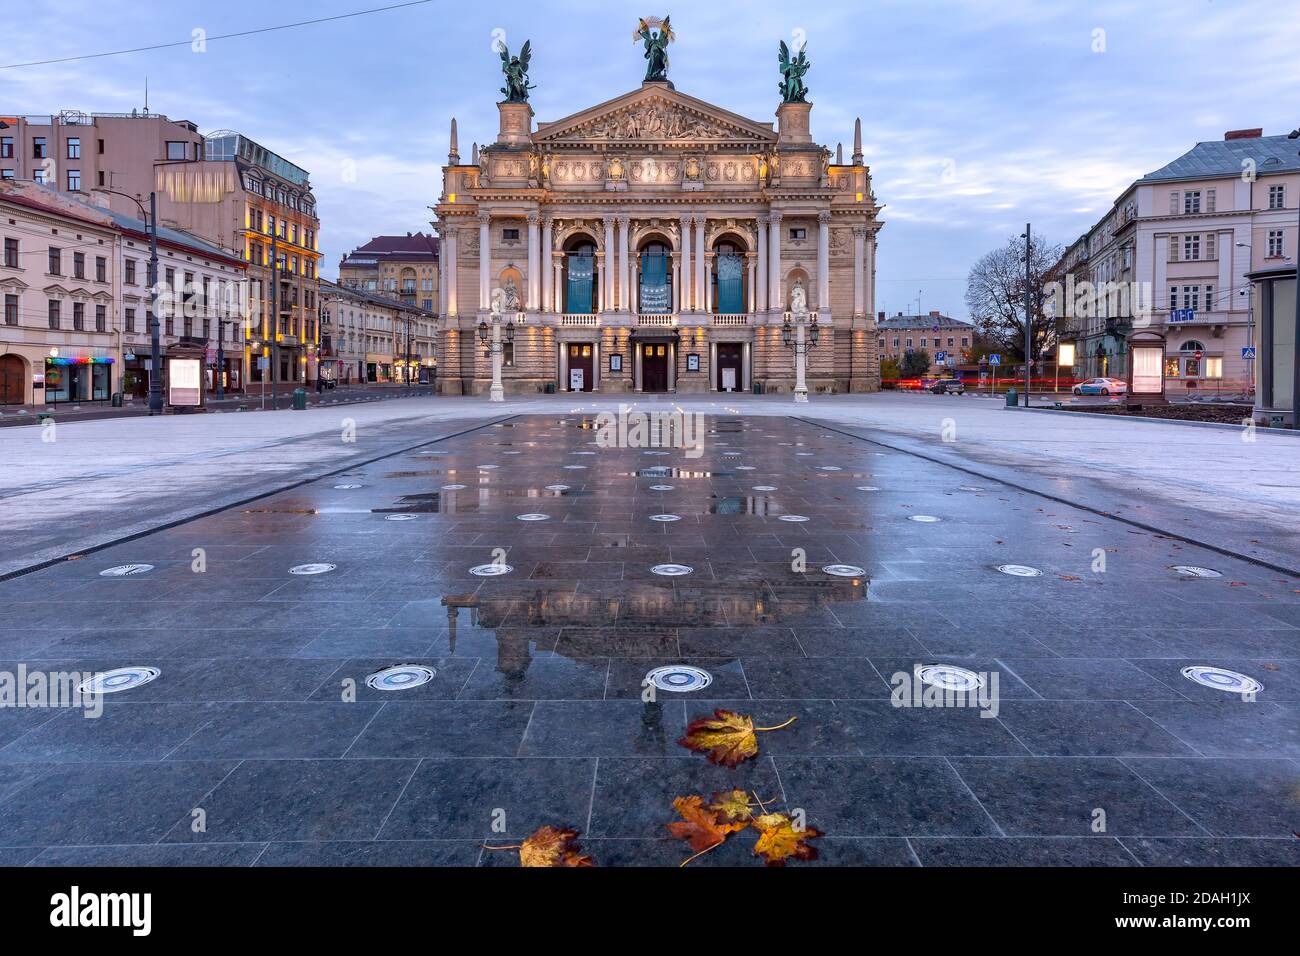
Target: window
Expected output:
[798,233]
[78,316]
[950,341]
[1191,202]
[1191,247]
[11,310]
[101,318]
[38,175]
[78,265]
[175,150]
[508,352]
[129,271]
[6,174]
[38,147]
[101,269]
[1275,243]
[1277,197]
[909,343]
[895,343]
[1213,366]
[74,180]
[101,147]
[56,316]
[129,320]
[6,147]
[11,253]
[56,261]
[509,233]
[74,148]
[965,341]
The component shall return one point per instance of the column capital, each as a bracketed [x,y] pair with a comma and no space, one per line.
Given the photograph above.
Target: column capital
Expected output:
[686,220]
[763,218]
[624,219]
[533,218]
[774,216]
[608,219]
[824,216]
[484,218]
[861,232]
[547,219]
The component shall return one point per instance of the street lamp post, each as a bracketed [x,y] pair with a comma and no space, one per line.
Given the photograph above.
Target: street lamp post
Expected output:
[793,338]
[155,341]
[496,347]
[1029,335]
[1295,336]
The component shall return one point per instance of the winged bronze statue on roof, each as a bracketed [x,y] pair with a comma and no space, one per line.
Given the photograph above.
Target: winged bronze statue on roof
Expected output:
[792,70]
[656,34]
[516,70]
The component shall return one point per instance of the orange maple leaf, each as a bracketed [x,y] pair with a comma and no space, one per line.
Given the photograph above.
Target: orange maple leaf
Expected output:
[727,737]
[549,847]
[703,826]
[779,840]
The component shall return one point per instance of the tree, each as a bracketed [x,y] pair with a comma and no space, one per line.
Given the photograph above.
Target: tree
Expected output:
[890,372]
[915,364]
[995,295]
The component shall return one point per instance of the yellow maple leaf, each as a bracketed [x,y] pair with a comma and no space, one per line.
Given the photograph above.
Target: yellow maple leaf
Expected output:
[779,840]
[551,846]
[727,737]
[703,826]
[733,805]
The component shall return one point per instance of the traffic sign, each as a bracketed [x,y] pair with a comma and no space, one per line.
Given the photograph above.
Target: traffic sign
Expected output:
[1248,351]
[995,359]
[940,356]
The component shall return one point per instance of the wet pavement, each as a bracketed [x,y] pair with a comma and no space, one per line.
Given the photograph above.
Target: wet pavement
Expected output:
[260,740]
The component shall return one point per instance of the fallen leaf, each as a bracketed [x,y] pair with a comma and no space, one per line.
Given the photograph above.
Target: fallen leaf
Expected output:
[1270,667]
[779,841]
[1068,577]
[550,846]
[703,826]
[733,805]
[727,737]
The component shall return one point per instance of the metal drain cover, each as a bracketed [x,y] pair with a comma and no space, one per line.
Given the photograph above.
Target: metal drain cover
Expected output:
[312,568]
[346,487]
[490,570]
[453,487]
[949,677]
[655,453]
[672,570]
[744,468]
[679,678]
[665,517]
[661,487]
[486,467]
[1192,571]
[557,487]
[400,677]
[1221,679]
[829,468]
[845,570]
[533,516]
[867,488]
[1020,570]
[925,519]
[400,517]
[126,570]
[575,467]
[792,518]
[764,488]
[121,678]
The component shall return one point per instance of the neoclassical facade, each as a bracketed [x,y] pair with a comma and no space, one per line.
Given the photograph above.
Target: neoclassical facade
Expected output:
[652,244]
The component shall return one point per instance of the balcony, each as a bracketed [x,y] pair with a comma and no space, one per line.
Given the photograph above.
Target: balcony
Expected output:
[579,319]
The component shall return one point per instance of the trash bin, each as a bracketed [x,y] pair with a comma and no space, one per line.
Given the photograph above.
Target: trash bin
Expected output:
[758,388]
[299,399]
[117,399]
[1013,398]
[550,388]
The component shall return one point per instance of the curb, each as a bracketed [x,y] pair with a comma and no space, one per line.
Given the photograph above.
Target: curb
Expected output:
[1160,421]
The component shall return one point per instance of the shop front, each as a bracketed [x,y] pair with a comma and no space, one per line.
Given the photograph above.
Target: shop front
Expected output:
[1277,353]
[78,379]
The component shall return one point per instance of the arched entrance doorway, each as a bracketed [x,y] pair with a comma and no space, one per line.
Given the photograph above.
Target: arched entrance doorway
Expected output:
[580,276]
[728,278]
[655,290]
[13,380]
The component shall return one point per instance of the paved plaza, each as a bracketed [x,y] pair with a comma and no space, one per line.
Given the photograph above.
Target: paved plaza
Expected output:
[261,742]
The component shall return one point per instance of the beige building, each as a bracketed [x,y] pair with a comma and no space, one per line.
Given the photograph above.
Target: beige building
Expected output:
[374,338]
[399,267]
[1173,256]
[936,334]
[74,283]
[654,243]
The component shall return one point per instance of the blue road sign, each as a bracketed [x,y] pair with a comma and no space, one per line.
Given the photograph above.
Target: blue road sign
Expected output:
[1248,351]
[995,359]
[940,356]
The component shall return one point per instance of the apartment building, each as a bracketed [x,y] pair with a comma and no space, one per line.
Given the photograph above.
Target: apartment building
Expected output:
[934,333]
[77,303]
[1173,256]
[374,338]
[400,267]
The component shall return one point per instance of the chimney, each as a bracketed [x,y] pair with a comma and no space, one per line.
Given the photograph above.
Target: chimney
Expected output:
[935,313]
[1243,134]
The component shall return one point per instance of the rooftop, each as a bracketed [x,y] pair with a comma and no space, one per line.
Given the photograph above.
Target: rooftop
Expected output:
[1228,157]
[410,246]
[900,321]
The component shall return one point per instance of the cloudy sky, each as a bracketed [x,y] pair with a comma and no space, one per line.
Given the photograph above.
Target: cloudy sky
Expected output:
[978,115]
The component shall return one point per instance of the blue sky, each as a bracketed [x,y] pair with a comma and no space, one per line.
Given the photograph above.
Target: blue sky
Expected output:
[978,115]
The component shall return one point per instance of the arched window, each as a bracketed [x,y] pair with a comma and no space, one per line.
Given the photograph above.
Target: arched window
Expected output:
[579,275]
[1191,345]
[655,294]
[728,278]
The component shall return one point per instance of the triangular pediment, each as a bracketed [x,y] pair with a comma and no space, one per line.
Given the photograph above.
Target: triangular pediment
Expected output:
[654,114]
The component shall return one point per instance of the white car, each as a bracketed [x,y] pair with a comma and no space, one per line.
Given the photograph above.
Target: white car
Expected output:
[1101,386]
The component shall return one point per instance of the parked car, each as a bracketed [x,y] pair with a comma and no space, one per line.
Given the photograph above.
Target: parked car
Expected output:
[1101,386]
[948,385]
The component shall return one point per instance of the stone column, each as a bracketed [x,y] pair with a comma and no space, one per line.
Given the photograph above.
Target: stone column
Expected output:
[749,300]
[685,266]
[624,285]
[870,304]
[701,265]
[677,284]
[607,276]
[859,271]
[547,266]
[452,252]
[760,289]
[534,263]
[558,284]
[775,296]
[484,262]
[824,264]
